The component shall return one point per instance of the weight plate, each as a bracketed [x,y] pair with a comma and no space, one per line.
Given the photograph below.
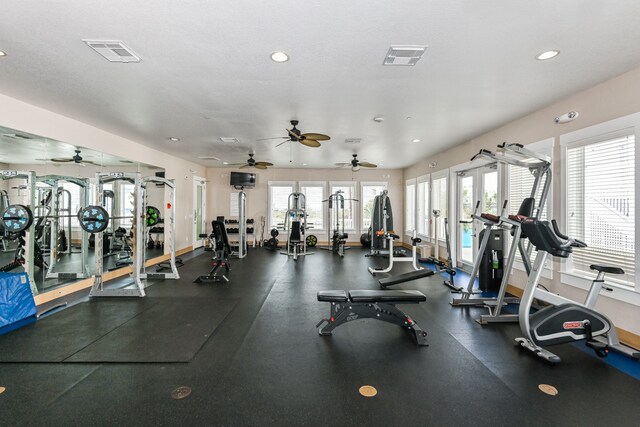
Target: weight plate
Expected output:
[274,232]
[93,219]
[152,216]
[312,240]
[16,218]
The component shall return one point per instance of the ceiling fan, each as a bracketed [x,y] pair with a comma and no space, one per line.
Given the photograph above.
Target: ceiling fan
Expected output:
[251,162]
[308,139]
[77,159]
[356,164]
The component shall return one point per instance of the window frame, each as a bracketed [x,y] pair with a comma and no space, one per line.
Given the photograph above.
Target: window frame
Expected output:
[410,213]
[424,180]
[622,291]
[364,184]
[323,213]
[436,176]
[270,185]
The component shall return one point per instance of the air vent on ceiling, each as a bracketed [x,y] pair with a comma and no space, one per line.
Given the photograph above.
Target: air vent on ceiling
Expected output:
[209,158]
[404,55]
[353,140]
[229,139]
[113,50]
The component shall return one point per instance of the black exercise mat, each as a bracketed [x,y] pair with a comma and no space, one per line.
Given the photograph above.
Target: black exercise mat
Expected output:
[170,331]
[58,336]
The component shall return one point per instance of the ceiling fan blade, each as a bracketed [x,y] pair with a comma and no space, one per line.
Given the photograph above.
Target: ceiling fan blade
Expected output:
[275,137]
[367,165]
[61,160]
[293,136]
[244,166]
[342,165]
[288,140]
[90,162]
[257,166]
[317,136]
[309,142]
[264,164]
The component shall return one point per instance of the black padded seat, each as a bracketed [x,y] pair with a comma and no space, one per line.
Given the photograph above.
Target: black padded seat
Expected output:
[490,217]
[386,296]
[606,269]
[405,277]
[332,296]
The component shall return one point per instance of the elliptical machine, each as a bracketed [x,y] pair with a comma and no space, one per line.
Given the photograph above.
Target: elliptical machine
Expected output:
[566,321]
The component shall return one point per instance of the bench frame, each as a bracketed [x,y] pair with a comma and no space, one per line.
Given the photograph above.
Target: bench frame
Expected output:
[346,311]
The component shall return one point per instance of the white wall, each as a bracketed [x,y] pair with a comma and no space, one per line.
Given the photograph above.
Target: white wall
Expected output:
[21,116]
[615,98]
[219,190]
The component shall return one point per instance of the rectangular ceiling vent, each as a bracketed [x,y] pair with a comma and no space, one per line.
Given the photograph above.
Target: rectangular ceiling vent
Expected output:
[404,55]
[113,50]
[353,140]
[229,140]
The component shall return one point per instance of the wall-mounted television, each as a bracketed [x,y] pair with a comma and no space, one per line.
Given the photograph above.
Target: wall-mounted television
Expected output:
[243,179]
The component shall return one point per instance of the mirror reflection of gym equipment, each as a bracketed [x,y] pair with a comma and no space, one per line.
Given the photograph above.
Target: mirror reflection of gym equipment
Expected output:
[336,237]
[295,226]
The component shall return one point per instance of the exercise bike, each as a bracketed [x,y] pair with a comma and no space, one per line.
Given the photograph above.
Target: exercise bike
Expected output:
[565,321]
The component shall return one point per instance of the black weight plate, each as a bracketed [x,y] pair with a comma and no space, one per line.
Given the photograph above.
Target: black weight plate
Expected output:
[152,216]
[274,232]
[16,218]
[311,240]
[93,219]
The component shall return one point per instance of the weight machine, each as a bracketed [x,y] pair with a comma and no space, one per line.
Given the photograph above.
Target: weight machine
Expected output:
[414,256]
[381,224]
[20,226]
[336,241]
[169,230]
[441,266]
[295,225]
[539,165]
[61,209]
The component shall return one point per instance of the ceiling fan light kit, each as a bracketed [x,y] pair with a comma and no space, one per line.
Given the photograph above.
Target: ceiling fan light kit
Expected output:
[356,164]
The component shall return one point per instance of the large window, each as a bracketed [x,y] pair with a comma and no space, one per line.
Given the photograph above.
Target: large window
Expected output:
[423,204]
[278,202]
[410,206]
[348,192]
[314,195]
[600,201]
[439,202]
[369,190]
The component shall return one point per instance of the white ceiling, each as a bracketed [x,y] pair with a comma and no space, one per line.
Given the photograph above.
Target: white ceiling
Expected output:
[206,70]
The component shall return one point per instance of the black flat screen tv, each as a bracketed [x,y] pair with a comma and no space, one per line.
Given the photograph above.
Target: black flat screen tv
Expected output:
[243,179]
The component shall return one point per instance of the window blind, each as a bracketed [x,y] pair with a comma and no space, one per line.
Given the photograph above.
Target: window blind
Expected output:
[601,203]
[410,207]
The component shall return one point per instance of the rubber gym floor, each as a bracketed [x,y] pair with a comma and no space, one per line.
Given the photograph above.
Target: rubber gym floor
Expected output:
[250,352]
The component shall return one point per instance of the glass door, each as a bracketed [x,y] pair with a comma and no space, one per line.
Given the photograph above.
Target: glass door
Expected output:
[199,208]
[480,184]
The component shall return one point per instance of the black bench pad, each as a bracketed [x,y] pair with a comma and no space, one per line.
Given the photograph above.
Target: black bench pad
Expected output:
[332,296]
[607,269]
[386,296]
[405,277]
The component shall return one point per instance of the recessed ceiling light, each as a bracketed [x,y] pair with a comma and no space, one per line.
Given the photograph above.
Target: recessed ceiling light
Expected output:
[173,139]
[304,164]
[279,56]
[415,140]
[547,55]
[225,163]
[378,119]
[3,53]
[229,140]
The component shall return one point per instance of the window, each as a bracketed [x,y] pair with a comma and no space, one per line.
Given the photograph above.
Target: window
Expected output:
[74,202]
[348,192]
[314,195]
[423,212]
[439,202]
[278,202]
[410,206]
[126,205]
[369,190]
[600,202]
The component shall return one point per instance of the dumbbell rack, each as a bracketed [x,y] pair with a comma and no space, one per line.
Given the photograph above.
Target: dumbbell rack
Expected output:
[232,227]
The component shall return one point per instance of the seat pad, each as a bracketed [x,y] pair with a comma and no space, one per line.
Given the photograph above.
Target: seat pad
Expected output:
[395,296]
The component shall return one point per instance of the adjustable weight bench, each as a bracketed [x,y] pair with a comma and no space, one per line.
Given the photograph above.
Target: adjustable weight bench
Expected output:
[381,305]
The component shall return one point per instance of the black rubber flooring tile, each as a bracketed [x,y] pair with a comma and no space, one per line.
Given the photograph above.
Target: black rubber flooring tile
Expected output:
[170,331]
[58,336]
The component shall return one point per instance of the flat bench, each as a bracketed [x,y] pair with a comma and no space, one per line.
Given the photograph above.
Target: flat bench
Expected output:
[368,304]
[405,277]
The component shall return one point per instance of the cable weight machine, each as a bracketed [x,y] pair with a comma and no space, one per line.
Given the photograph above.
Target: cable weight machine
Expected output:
[337,238]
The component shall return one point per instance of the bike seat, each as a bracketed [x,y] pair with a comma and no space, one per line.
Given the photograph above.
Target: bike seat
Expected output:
[606,269]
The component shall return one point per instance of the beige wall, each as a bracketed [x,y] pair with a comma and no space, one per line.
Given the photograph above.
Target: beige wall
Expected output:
[612,99]
[219,190]
[21,116]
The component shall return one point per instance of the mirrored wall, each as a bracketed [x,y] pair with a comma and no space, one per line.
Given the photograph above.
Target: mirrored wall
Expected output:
[64,183]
